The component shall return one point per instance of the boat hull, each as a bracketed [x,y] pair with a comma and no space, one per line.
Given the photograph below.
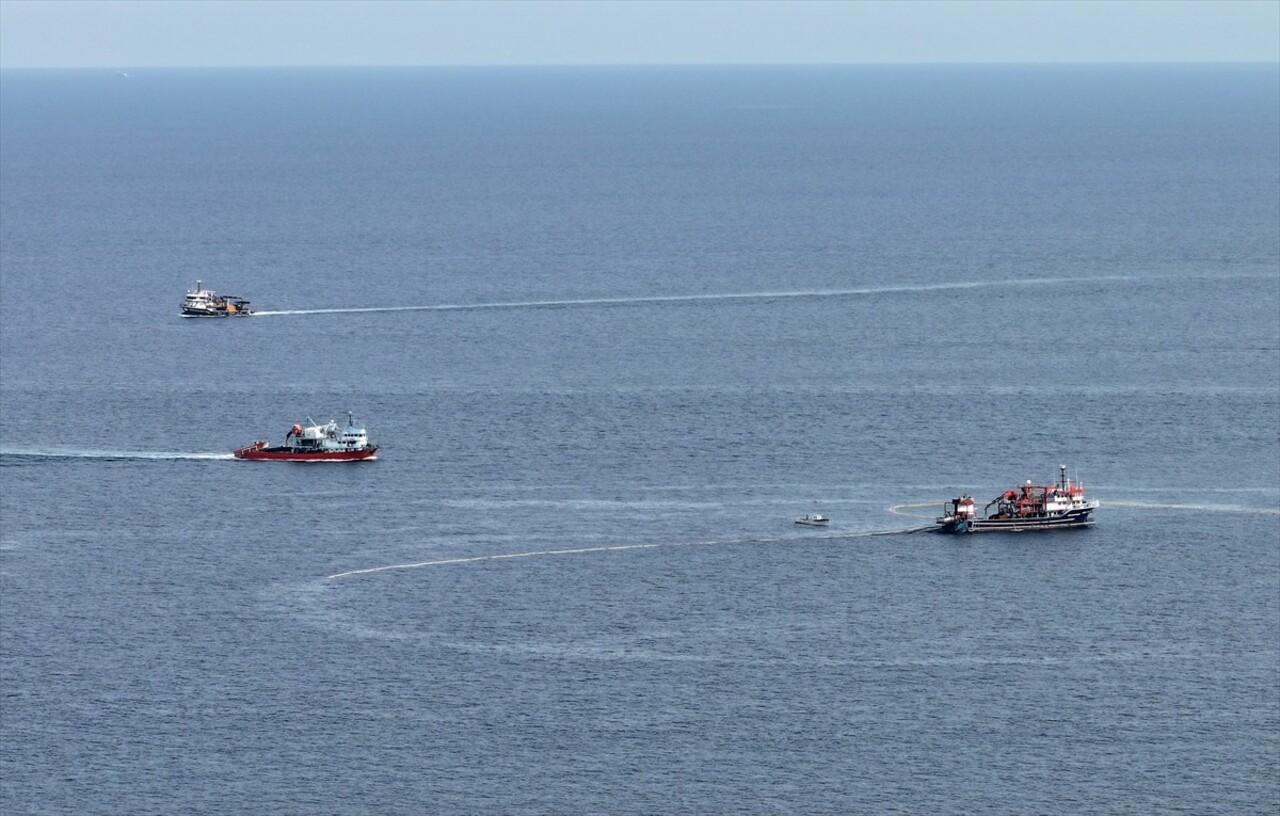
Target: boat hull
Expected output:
[203,313]
[1065,521]
[292,455]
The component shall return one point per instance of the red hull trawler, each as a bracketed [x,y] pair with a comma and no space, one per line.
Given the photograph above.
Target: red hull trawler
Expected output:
[316,443]
[1029,507]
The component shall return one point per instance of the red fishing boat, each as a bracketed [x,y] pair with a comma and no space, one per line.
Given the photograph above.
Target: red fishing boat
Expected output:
[1028,507]
[316,443]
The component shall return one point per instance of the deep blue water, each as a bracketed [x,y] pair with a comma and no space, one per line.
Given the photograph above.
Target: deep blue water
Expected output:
[657,313]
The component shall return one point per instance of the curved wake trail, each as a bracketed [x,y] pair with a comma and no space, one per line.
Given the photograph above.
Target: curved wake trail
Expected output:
[744,296]
[475,559]
[50,453]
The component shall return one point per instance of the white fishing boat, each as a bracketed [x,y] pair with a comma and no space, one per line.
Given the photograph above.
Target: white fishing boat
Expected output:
[813,520]
[201,302]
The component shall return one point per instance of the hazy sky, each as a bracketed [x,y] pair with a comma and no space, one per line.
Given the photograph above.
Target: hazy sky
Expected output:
[143,33]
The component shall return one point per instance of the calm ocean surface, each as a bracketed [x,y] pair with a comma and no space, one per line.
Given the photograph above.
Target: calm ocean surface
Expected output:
[614,329]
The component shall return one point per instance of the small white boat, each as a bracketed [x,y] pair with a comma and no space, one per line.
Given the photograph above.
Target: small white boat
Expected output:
[813,520]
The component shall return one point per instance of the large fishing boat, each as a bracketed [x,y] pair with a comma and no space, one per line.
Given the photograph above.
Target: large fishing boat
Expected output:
[316,443]
[201,302]
[1027,507]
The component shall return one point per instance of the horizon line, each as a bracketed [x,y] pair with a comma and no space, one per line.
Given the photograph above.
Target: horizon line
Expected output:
[1064,62]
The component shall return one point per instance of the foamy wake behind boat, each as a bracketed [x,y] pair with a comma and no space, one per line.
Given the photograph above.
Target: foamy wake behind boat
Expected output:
[1026,508]
[201,302]
[316,443]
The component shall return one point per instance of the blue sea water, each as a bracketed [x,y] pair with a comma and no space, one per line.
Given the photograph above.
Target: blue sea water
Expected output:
[614,328]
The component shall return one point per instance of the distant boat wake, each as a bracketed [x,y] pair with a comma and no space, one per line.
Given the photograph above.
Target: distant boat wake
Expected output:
[52,453]
[745,296]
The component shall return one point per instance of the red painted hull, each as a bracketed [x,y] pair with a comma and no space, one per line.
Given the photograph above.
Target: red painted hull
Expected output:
[288,455]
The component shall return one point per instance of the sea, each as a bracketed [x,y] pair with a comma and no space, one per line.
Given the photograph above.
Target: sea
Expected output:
[614,329]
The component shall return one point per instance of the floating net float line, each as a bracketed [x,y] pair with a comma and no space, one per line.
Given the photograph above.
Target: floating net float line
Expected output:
[899,509]
[1201,508]
[474,559]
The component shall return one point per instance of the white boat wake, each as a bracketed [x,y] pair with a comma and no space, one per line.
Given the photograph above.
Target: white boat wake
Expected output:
[54,453]
[744,296]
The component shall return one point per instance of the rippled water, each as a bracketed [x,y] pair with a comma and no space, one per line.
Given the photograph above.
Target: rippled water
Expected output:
[614,330]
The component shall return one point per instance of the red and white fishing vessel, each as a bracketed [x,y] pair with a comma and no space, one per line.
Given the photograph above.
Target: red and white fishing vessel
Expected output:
[1028,507]
[316,443]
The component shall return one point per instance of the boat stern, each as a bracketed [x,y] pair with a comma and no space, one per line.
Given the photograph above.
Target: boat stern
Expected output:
[248,451]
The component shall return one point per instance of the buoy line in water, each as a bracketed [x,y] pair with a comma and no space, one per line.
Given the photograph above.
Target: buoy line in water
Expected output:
[441,562]
[897,509]
[1202,508]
